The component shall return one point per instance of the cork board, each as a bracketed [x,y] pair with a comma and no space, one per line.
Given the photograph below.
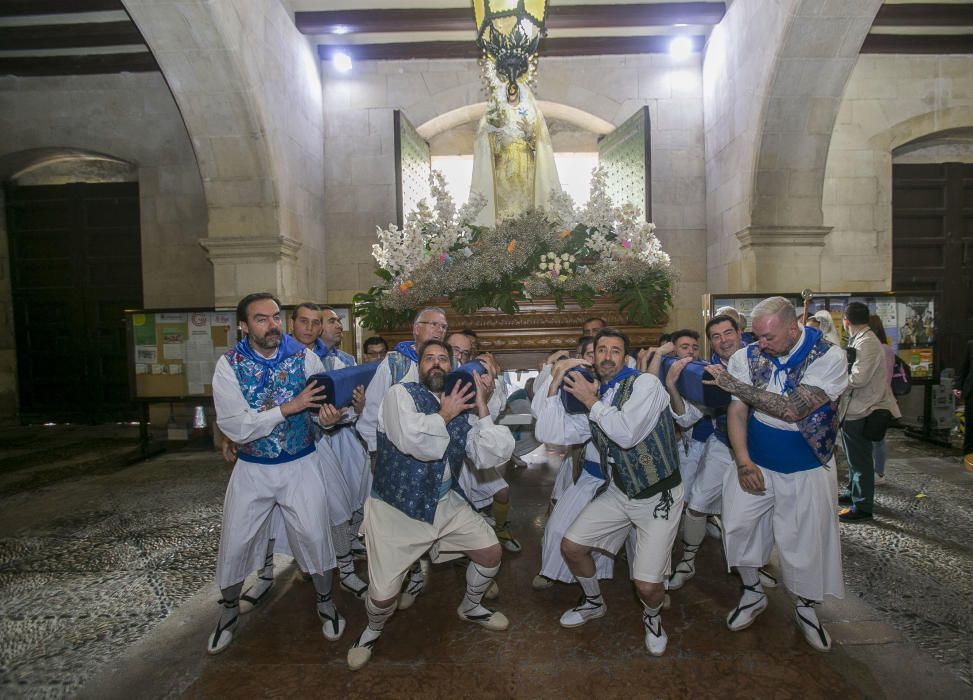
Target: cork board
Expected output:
[172,354]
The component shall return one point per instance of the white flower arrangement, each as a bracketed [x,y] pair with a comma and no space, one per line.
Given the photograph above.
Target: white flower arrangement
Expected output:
[597,250]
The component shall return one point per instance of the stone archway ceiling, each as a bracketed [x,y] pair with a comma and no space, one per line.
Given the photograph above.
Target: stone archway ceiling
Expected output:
[70,37]
[418,29]
[922,27]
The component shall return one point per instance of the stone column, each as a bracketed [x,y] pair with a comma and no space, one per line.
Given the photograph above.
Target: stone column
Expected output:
[781,258]
[245,265]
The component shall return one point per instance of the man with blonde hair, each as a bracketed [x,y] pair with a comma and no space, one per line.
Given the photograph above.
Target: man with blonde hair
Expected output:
[783,425]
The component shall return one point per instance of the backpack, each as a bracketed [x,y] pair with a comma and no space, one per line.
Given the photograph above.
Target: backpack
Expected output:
[901,377]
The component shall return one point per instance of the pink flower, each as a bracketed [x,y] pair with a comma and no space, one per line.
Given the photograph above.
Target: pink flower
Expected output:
[626,244]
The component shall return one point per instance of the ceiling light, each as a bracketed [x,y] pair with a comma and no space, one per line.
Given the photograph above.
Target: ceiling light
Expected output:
[341,61]
[680,47]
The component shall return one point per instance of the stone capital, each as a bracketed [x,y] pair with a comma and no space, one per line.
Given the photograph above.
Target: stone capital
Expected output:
[245,265]
[783,236]
[781,258]
[250,250]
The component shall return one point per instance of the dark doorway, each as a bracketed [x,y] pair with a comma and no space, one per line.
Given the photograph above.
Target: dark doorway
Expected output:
[76,264]
[932,247]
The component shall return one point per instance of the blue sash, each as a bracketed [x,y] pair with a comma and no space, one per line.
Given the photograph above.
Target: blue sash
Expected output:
[593,468]
[623,374]
[782,451]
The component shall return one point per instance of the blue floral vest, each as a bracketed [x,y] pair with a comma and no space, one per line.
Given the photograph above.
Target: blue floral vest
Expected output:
[819,430]
[651,467]
[291,439]
[409,484]
[399,366]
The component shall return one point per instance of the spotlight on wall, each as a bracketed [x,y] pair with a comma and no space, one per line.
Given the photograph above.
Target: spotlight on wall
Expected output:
[341,61]
[680,47]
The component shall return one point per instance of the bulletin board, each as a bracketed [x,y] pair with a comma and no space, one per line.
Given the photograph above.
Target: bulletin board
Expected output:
[909,320]
[172,353]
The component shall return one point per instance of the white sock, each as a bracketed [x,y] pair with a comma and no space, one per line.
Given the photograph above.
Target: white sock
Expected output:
[416,580]
[322,585]
[591,588]
[268,570]
[478,580]
[753,591]
[230,604]
[377,617]
[693,534]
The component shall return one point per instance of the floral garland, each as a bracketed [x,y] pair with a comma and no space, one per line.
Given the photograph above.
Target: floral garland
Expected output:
[562,252]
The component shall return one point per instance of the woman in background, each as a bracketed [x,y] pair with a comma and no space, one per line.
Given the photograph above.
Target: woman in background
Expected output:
[878,448]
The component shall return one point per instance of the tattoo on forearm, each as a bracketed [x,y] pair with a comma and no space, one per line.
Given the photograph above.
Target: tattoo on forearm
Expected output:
[792,407]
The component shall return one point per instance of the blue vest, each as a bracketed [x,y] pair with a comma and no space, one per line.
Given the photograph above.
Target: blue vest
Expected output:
[291,439]
[409,484]
[652,466]
[788,451]
[399,366]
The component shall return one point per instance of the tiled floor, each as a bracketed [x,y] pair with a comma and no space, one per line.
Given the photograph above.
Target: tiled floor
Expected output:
[90,564]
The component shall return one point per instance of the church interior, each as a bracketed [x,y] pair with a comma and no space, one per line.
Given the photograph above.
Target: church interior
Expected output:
[162,159]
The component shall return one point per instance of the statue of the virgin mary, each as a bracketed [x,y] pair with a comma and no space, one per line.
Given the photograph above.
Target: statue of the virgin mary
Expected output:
[513,160]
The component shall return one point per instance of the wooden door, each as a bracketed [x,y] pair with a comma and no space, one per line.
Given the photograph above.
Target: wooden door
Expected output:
[932,247]
[75,258]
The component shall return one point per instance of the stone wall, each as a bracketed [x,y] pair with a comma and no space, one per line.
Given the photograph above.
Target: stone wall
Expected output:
[131,117]
[889,102]
[359,166]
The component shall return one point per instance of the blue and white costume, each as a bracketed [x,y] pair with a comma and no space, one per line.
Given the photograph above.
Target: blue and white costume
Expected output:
[276,464]
[798,510]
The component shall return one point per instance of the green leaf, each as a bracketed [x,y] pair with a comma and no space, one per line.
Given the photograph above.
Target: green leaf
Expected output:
[384,274]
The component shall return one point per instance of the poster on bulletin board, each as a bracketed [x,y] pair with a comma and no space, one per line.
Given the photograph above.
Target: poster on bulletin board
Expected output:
[173,353]
[909,320]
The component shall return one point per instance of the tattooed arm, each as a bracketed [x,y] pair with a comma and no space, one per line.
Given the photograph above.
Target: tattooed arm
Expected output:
[791,407]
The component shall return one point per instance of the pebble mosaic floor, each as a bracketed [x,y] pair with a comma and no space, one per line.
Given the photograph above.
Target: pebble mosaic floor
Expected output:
[90,565]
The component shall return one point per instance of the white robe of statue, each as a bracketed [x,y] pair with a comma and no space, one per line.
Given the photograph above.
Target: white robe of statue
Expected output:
[513,159]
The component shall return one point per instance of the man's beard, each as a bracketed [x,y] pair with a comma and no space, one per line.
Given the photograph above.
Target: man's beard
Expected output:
[269,341]
[607,370]
[434,380]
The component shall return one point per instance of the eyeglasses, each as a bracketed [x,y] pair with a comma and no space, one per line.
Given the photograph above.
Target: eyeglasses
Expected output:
[462,354]
[435,324]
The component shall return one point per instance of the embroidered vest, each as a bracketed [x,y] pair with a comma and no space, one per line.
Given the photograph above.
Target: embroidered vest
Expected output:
[291,439]
[409,484]
[399,366]
[820,428]
[652,466]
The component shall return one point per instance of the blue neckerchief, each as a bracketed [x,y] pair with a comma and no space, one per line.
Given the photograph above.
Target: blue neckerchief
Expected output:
[321,350]
[288,346]
[811,336]
[625,373]
[408,348]
[714,359]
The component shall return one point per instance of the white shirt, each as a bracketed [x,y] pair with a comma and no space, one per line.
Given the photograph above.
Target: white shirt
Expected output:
[382,382]
[377,388]
[626,427]
[828,372]
[236,419]
[425,437]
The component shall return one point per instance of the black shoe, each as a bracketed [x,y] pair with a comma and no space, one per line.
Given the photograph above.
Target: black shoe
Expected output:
[844,499]
[853,514]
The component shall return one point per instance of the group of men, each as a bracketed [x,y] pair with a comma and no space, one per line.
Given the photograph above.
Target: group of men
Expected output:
[641,459]
[303,481]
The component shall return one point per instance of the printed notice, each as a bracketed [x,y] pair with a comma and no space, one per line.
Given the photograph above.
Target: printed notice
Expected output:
[146,354]
[143,329]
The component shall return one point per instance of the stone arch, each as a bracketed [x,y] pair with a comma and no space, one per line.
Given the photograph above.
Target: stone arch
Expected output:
[248,86]
[16,164]
[923,126]
[814,61]
[202,64]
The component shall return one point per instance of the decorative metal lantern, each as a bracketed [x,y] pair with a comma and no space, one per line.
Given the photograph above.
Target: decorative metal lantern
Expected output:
[509,31]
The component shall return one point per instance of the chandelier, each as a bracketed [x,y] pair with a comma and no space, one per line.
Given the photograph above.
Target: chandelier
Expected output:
[509,31]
